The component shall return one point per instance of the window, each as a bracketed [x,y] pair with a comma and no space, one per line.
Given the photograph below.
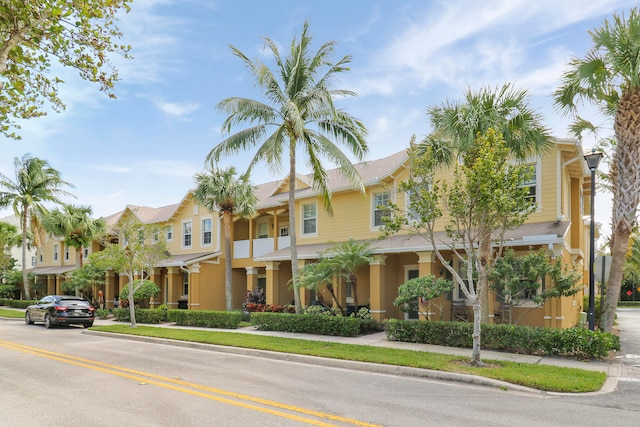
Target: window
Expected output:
[206,231]
[412,214]
[169,233]
[462,271]
[186,234]
[532,184]
[33,261]
[155,236]
[411,272]
[185,283]
[309,219]
[85,251]
[41,256]
[263,230]
[284,231]
[380,200]
[66,253]
[55,252]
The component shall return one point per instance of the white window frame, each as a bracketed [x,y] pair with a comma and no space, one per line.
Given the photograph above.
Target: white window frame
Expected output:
[309,218]
[203,231]
[284,231]
[262,234]
[55,252]
[169,233]
[67,254]
[375,204]
[33,261]
[85,251]
[185,234]
[535,182]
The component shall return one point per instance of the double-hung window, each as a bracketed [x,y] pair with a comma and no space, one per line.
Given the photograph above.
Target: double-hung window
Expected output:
[169,233]
[186,234]
[55,252]
[380,200]
[206,231]
[309,218]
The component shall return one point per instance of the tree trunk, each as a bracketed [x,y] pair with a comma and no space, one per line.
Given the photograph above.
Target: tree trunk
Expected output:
[625,180]
[353,279]
[475,354]
[292,226]
[132,306]
[25,277]
[483,278]
[228,284]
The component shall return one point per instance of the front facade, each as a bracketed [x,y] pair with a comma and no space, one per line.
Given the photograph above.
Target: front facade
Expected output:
[193,277]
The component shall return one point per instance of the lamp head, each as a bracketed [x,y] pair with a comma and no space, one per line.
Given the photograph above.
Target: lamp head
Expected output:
[593,159]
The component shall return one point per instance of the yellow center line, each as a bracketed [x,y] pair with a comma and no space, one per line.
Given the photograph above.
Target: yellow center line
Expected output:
[174,383]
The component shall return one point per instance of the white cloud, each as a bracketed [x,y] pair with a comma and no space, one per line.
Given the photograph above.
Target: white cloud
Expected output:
[177,109]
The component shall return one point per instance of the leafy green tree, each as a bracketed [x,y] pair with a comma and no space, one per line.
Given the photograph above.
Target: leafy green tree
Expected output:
[346,259]
[300,118]
[38,35]
[221,190]
[144,290]
[419,292]
[36,184]
[609,77]
[75,224]
[137,252]
[456,125]
[520,278]
[9,239]
[14,278]
[484,198]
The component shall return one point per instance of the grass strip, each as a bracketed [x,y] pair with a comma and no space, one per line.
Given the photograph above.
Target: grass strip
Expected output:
[541,377]
[11,314]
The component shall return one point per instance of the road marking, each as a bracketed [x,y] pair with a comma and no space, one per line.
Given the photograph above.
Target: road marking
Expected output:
[191,388]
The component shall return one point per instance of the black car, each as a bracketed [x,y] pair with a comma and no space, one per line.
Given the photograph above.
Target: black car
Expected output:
[61,310]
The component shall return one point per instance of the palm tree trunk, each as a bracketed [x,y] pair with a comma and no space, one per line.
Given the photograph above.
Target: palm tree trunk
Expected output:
[25,278]
[292,226]
[228,285]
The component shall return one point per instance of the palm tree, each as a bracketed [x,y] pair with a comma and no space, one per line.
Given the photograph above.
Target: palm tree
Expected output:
[222,190]
[347,258]
[36,183]
[316,273]
[456,125]
[299,118]
[75,224]
[609,77]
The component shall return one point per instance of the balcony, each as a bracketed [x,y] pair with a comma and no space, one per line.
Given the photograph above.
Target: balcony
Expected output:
[260,246]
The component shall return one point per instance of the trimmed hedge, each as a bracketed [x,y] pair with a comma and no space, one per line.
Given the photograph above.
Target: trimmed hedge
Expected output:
[307,323]
[574,342]
[143,315]
[17,303]
[206,318]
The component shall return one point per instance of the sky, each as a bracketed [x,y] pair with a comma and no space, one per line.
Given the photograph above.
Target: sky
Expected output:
[145,147]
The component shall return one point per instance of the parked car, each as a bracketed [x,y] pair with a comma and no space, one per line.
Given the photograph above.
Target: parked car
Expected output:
[55,310]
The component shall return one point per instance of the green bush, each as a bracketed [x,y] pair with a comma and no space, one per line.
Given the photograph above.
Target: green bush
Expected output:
[9,291]
[143,315]
[307,323]
[206,318]
[102,313]
[574,342]
[17,303]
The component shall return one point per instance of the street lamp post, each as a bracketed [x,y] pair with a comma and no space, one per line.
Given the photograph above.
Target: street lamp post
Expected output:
[593,160]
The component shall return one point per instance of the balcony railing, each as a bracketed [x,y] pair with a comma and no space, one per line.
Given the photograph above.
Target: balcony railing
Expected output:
[260,246]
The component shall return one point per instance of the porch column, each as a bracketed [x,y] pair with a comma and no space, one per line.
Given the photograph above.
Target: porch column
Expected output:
[427,265]
[194,286]
[273,282]
[174,277]
[304,293]
[51,284]
[156,277]
[378,297]
[252,278]
[109,291]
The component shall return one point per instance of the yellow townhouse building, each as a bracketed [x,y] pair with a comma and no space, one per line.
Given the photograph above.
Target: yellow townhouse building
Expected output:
[193,276]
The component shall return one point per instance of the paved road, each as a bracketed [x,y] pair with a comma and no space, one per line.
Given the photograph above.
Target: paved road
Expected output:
[62,376]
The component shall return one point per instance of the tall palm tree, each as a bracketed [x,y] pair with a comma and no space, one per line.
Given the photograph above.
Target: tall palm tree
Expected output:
[36,183]
[456,125]
[299,117]
[609,77]
[347,258]
[75,224]
[222,190]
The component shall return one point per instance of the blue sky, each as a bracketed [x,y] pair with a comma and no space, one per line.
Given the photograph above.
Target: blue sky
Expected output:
[145,147]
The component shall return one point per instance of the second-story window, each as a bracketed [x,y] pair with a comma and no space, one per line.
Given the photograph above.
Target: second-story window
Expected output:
[263,230]
[532,184]
[85,251]
[309,218]
[206,231]
[379,201]
[33,261]
[169,233]
[55,252]
[66,253]
[185,283]
[186,234]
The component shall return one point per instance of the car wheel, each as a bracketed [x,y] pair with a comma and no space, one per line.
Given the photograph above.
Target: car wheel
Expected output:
[47,321]
[27,318]
[88,325]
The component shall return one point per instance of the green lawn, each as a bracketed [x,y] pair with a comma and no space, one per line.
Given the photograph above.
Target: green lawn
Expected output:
[542,377]
[13,314]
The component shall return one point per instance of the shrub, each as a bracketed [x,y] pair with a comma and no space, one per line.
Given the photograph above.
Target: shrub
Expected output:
[102,313]
[9,291]
[573,342]
[206,318]
[143,315]
[269,308]
[307,323]
[17,303]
